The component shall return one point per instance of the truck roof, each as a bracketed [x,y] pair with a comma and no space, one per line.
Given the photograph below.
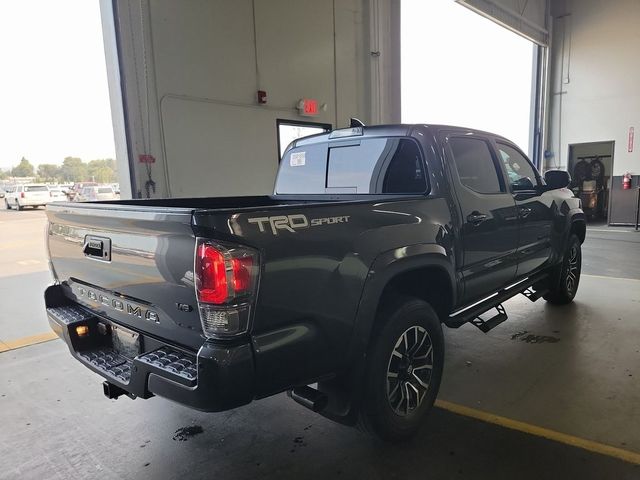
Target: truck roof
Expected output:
[392,130]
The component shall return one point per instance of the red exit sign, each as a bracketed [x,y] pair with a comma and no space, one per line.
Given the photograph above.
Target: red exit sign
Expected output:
[308,107]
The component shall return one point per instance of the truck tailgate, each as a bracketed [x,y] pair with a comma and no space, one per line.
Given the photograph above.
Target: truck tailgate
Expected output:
[131,264]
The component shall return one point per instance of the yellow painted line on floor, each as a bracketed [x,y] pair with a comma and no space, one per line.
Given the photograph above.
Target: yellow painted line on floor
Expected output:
[609,231]
[589,445]
[7,345]
[28,262]
[612,278]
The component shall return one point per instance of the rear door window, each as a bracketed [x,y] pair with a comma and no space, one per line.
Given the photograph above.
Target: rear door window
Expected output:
[367,166]
[476,167]
[36,188]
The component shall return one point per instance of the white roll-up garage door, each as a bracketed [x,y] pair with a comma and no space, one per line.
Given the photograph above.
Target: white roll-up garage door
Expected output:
[525,17]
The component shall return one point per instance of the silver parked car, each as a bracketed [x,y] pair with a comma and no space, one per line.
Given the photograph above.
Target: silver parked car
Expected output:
[91,194]
[57,194]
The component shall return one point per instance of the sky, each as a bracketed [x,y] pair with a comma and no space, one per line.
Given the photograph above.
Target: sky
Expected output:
[460,68]
[54,100]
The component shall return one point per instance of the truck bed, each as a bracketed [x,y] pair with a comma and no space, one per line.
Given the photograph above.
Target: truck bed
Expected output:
[214,203]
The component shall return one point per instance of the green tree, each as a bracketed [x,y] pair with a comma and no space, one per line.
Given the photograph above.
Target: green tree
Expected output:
[102,170]
[73,169]
[24,169]
[49,172]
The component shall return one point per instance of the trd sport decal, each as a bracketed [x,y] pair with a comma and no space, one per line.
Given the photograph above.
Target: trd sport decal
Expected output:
[291,223]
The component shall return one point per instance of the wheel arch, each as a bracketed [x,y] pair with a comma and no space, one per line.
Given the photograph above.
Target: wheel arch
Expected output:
[390,274]
[424,271]
[579,227]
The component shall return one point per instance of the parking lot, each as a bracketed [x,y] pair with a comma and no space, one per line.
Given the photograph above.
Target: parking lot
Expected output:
[551,392]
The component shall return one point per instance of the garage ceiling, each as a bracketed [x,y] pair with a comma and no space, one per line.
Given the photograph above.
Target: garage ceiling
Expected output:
[525,17]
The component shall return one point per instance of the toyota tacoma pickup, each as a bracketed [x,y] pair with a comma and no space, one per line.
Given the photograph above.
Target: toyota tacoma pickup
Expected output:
[334,289]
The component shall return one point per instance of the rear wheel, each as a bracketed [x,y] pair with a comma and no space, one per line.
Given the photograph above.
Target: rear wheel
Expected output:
[404,371]
[18,206]
[6,202]
[566,278]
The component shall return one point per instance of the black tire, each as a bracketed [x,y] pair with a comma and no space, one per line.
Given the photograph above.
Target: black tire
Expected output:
[18,206]
[566,277]
[385,411]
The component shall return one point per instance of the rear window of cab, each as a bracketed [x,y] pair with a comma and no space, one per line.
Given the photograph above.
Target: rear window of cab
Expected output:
[383,165]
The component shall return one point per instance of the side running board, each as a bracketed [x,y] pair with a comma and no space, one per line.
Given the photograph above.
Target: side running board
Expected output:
[472,313]
[534,295]
[493,322]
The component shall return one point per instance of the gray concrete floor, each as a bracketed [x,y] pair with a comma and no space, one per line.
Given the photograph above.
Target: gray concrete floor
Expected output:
[23,273]
[572,369]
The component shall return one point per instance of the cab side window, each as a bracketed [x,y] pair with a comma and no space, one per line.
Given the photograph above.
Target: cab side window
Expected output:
[521,173]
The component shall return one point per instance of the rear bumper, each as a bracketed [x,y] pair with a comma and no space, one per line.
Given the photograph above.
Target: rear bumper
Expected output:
[213,379]
[30,202]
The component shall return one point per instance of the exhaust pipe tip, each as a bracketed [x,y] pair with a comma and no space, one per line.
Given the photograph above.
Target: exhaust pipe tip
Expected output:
[309,397]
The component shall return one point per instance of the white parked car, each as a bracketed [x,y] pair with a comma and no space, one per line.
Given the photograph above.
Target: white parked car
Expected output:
[28,195]
[91,194]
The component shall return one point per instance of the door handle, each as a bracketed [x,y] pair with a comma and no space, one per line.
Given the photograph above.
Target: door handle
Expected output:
[524,212]
[476,218]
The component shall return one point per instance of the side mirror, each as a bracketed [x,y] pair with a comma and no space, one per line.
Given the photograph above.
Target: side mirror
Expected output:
[557,179]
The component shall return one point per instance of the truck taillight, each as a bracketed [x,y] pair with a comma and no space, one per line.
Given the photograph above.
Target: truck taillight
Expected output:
[225,280]
[22,195]
[211,276]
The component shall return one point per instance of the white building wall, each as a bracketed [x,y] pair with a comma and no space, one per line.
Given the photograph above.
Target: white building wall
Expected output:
[191,70]
[594,86]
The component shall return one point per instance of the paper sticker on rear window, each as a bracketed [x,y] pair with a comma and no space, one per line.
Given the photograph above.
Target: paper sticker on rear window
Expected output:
[297,159]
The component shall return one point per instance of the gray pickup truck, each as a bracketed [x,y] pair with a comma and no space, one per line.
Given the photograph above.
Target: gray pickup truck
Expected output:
[333,289]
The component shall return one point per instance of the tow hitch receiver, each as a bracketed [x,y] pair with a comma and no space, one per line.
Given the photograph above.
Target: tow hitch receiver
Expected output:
[113,391]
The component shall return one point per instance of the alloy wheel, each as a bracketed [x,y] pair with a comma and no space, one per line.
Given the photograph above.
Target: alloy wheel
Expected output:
[572,270]
[409,370]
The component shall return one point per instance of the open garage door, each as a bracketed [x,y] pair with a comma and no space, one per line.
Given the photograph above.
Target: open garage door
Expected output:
[525,17]
[530,19]
[484,74]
